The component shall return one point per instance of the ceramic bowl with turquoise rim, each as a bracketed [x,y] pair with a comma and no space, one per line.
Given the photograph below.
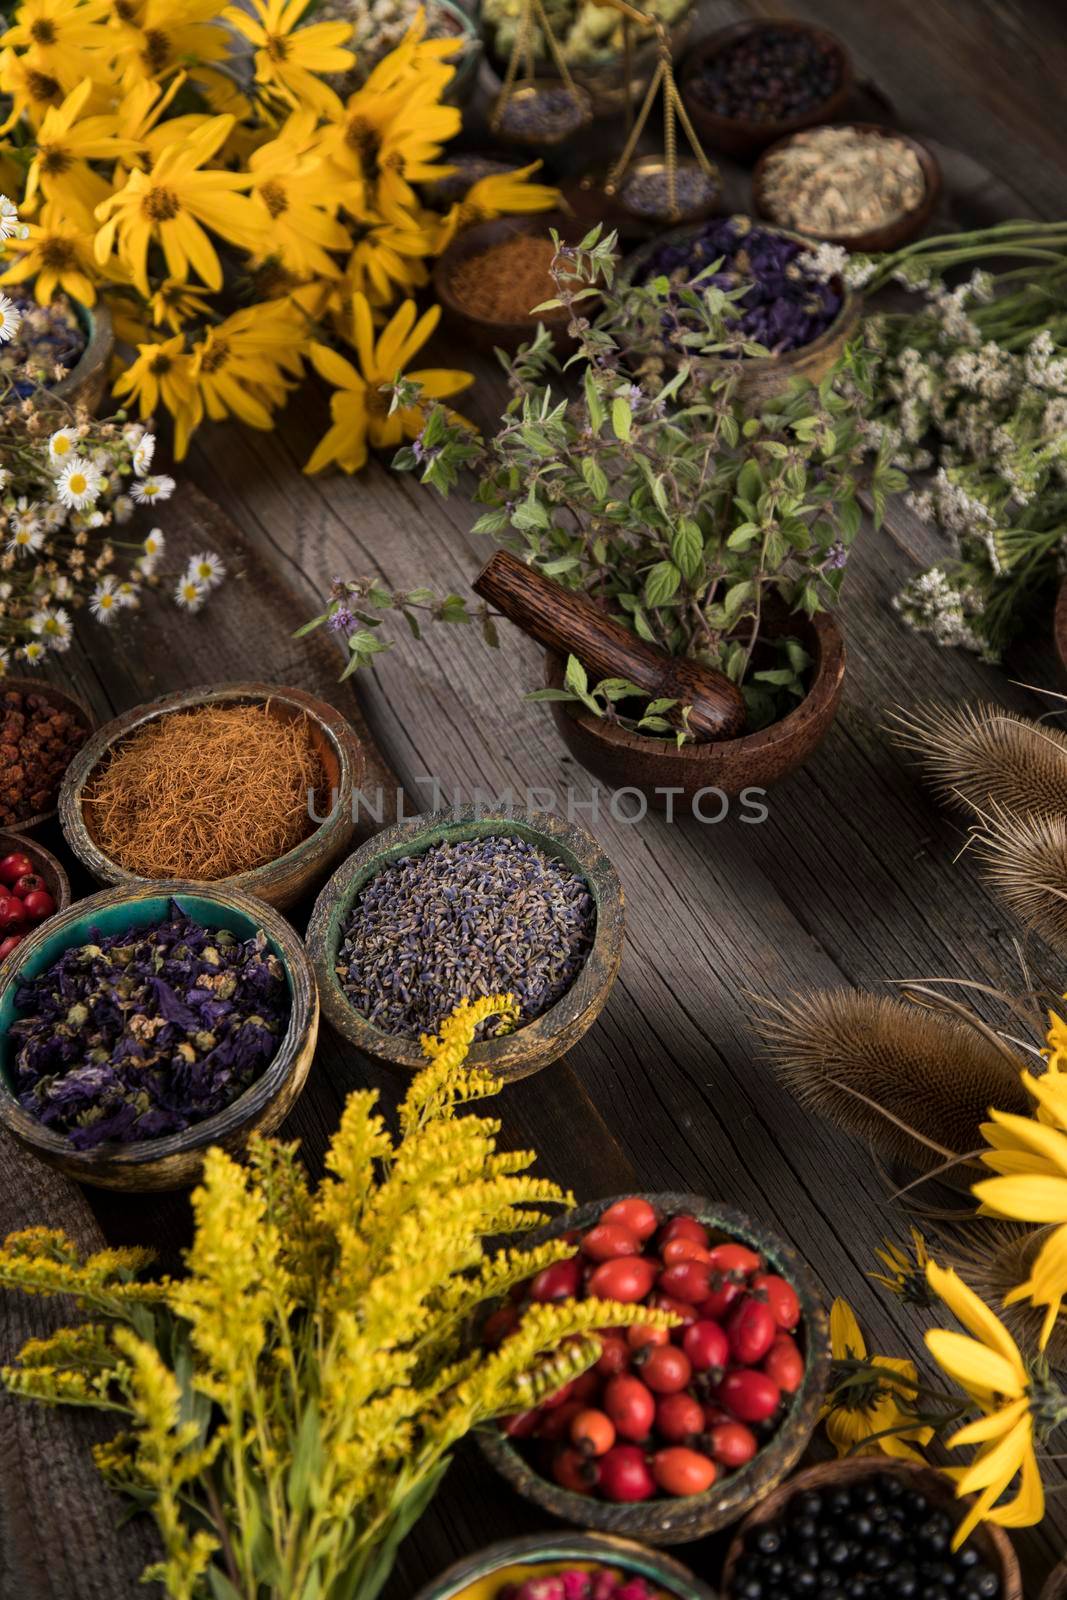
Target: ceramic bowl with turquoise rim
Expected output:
[174,1160]
[483,1575]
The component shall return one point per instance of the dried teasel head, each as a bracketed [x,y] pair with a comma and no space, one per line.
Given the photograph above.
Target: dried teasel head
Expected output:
[1024,858]
[985,757]
[915,1084]
[993,1257]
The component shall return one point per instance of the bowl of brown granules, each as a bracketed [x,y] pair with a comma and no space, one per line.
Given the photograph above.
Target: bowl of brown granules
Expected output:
[245,784]
[491,277]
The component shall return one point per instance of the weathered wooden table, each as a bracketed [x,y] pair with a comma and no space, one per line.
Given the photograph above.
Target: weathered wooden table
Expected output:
[851,880]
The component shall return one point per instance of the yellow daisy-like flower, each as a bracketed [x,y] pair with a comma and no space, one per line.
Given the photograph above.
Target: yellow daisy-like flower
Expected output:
[171,204]
[290,59]
[162,371]
[874,1414]
[1055,1051]
[298,194]
[905,1275]
[388,260]
[57,253]
[987,1365]
[63,41]
[1030,1156]
[160,37]
[239,366]
[390,139]
[174,304]
[498,194]
[31,88]
[359,408]
[67,141]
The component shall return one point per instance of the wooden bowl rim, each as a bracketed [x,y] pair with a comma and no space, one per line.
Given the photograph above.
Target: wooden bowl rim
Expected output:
[829,671]
[141,1153]
[66,702]
[695,1515]
[825,1472]
[910,222]
[482,237]
[839,329]
[564,841]
[10,840]
[581,96]
[611,1549]
[97,351]
[332,723]
[749,127]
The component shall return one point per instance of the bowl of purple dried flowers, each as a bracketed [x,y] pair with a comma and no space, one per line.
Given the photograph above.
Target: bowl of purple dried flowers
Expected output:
[138,1028]
[62,348]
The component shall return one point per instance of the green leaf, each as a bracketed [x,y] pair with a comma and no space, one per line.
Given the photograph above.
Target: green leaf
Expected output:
[662,583]
[737,595]
[658,707]
[621,418]
[550,694]
[309,627]
[576,678]
[849,517]
[776,675]
[491,521]
[642,628]
[749,481]
[593,402]
[743,536]
[687,548]
[552,569]
[366,643]
[595,477]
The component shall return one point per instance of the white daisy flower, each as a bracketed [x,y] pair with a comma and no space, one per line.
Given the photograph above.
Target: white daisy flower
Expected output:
[133,432]
[150,490]
[62,444]
[10,319]
[143,452]
[32,651]
[25,538]
[128,593]
[62,588]
[79,484]
[5,477]
[105,602]
[207,568]
[53,516]
[52,626]
[190,594]
[146,565]
[122,508]
[154,543]
[9,218]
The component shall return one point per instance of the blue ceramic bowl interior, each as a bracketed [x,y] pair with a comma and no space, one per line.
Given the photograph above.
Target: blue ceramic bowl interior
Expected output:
[132,914]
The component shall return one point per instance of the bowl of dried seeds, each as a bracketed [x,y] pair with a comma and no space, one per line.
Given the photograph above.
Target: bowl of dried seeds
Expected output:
[463,903]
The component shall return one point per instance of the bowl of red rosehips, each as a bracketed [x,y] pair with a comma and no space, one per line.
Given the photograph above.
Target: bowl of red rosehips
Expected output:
[673,1432]
[33,886]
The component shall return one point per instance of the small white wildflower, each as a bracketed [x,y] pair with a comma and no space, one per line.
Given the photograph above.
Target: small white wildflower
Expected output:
[53,627]
[32,651]
[133,433]
[25,538]
[9,218]
[62,444]
[128,593]
[5,477]
[62,588]
[122,508]
[149,490]
[154,543]
[79,484]
[143,452]
[10,319]
[104,602]
[207,568]
[190,594]
[826,261]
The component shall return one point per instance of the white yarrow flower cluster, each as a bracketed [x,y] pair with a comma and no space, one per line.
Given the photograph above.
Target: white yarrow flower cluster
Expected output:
[827,261]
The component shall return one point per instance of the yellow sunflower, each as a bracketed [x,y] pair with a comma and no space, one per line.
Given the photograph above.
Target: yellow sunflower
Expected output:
[359,409]
[57,253]
[171,205]
[67,141]
[289,59]
[987,1365]
[874,1411]
[62,41]
[498,194]
[298,195]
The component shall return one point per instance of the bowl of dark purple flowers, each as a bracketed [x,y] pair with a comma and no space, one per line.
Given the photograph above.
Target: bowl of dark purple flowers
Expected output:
[802,316]
[138,1029]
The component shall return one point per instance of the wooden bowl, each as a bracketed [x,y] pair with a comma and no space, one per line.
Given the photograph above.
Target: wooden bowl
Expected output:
[625,760]
[678,1521]
[86,383]
[175,1160]
[993,1542]
[487,333]
[741,136]
[279,882]
[1056,1585]
[537,1043]
[63,702]
[764,377]
[547,1553]
[45,864]
[891,234]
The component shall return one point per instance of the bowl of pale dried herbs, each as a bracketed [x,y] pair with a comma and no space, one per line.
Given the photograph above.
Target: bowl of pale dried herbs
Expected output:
[140,1027]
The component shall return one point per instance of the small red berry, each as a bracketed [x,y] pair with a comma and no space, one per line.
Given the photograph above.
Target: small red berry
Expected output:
[781,1297]
[749,1395]
[642,1334]
[610,1239]
[666,1369]
[734,1257]
[614,1355]
[560,1281]
[633,1213]
[575,1472]
[732,1444]
[624,1474]
[683,1249]
[592,1432]
[679,1417]
[679,1471]
[682,1227]
[751,1330]
[785,1364]
[685,1280]
[630,1405]
[706,1345]
[626,1278]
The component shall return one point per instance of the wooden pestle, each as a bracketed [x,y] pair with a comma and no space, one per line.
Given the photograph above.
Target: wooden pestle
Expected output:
[570,624]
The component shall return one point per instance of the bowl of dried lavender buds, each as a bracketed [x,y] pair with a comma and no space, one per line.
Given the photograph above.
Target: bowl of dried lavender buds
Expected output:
[42,728]
[137,1028]
[567,1566]
[492,275]
[246,784]
[461,903]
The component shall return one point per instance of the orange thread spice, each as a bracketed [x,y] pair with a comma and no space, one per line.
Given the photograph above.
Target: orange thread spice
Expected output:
[505,282]
[205,794]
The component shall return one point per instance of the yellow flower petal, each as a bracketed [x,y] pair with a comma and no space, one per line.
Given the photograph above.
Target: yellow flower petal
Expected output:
[974,1365]
[845,1337]
[1028,1197]
[973,1313]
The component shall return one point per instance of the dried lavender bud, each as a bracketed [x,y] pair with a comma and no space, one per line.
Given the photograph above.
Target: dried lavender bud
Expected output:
[475,917]
[146,1032]
[548,113]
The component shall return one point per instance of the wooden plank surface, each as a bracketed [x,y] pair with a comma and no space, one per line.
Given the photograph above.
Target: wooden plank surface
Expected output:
[851,879]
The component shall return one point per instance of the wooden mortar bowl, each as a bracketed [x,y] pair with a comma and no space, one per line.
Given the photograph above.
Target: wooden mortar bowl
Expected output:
[554,1552]
[763,377]
[993,1542]
[678,1521]
[280,882]
[537,1043]
[891,235]
[487,333]
[174,1161]
[742,136]
[48,866]
[63,701]
[625,760]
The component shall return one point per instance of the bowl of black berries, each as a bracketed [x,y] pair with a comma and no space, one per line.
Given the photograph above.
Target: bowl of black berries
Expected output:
[748,85]
[872,1527]
[458,905]
[138,1028]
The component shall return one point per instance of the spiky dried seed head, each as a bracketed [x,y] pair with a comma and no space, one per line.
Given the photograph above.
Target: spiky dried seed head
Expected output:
[878,1068]
[1025,861]
[993,1257]
[983,756]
